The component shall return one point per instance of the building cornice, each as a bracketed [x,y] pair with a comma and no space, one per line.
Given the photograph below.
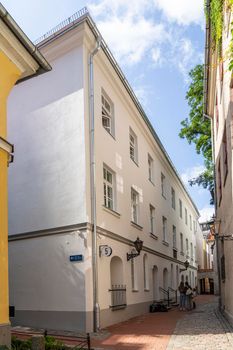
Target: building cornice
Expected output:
[8,148]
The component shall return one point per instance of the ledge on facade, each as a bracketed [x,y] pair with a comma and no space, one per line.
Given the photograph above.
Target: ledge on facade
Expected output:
[182,253]
[165,243]
[152,235]
[135,162]
[174,248]
[136,225]
[152,182]
[205,270]
[164,196]
[135,290]
[111,211]
[146,290]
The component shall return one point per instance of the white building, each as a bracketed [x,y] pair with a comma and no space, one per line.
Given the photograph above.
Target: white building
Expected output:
[62,210]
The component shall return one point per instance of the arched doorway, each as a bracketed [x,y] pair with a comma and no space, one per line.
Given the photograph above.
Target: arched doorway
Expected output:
[116,271]
[155,283]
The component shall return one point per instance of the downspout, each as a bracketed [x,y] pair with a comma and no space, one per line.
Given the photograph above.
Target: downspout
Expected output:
[96,309]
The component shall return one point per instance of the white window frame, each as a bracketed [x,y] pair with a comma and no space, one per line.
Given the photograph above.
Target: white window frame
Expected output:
[181,242]
[173,198]
[163,185]
[152,219]
[181,208]
[186,216]
[107,114]
[164,221]
[134,206]
[174,236]
[133,146]
[190,222]
[109,187]
[187,246]
[145,272]
[150,168]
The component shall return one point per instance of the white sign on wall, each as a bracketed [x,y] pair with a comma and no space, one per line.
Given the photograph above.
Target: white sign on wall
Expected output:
[105,250]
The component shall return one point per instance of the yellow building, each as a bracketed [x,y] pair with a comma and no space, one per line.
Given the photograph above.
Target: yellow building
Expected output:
[19,60]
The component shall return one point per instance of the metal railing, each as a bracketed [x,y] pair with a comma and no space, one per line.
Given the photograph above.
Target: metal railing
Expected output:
[118,296]
[166,294]
[172,294]
[62,25]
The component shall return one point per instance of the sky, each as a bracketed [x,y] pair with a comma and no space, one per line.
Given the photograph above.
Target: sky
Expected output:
[156,43]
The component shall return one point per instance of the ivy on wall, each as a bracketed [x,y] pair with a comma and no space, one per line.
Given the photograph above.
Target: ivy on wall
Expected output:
[216,17]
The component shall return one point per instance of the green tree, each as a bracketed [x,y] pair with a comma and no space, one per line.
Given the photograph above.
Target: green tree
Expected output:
[197,130]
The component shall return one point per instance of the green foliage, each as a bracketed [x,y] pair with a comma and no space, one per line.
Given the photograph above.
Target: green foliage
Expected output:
[52,344]
[17,344]
[216,20]
[197,130]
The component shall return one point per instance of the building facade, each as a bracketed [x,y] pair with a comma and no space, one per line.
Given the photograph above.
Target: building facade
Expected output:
[219,108]
[16,63]
[95,178]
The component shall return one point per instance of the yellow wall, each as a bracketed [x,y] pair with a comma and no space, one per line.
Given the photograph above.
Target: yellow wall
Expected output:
[9,74]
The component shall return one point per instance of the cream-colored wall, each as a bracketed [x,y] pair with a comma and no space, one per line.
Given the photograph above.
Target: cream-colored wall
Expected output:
[114,152]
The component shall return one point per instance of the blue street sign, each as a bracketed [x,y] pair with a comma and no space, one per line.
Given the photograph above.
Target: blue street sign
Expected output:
[76,257]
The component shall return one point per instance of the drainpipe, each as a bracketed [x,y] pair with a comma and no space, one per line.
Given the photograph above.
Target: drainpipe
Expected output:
[96,309]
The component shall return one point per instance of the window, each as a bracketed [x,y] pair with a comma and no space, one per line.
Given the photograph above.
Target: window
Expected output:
[173,195]
[163,185]
[219,183]
[134,206]
[181,208]
[195,254]
[134,277]
[186,216]
[151,168]
[152,219]
[181,242]
[164,229]
[187,247]
[109,179]
[191,249]
[174,236]
[107,114]
[225,160]
[133,146]
[194,226]
[190,222]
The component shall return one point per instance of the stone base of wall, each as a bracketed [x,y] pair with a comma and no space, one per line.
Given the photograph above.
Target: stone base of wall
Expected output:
[5,335]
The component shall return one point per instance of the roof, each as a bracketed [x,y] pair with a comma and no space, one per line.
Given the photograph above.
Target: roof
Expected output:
[44,66]
[74,21]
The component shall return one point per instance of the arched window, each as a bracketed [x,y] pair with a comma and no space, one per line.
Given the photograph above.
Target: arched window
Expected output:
[165,279]
[116,271]
[155,280]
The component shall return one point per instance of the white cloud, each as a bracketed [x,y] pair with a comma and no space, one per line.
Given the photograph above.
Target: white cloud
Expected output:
[184,12]
[156,55]
[191,173]
[206,214]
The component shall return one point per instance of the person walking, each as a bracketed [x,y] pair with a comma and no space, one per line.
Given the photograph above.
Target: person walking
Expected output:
[188,296]
[182,291]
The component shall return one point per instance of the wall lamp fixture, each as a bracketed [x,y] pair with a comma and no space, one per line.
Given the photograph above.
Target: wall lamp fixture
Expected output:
[138,246]
[186,265]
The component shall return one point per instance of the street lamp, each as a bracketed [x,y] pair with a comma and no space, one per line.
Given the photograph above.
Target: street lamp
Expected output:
[186,265]
[138,246]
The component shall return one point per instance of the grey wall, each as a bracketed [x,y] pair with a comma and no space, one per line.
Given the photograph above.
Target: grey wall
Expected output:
[46,125]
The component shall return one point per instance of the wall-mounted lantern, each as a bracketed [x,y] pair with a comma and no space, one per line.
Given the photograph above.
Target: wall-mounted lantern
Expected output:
[186,265]
[138,246]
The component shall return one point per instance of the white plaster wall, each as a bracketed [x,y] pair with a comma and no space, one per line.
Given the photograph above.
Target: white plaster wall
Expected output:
[46,122]
[42,278]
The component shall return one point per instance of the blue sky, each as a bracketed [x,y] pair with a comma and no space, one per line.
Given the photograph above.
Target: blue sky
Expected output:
[156,43]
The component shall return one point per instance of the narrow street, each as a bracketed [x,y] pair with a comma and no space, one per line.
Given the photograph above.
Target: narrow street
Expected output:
[203,329]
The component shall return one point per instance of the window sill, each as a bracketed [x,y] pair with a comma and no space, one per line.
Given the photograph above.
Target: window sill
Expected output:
[165,243]
[109,133]
[135,290]
[146,289]
[164,196]
[174,248]
[111,211]
[135,162]
[152,182]
[134,224]
[182,253]
[152,235]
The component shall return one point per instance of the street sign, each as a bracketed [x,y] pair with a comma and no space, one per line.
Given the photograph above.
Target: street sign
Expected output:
[105,250]
[74,258]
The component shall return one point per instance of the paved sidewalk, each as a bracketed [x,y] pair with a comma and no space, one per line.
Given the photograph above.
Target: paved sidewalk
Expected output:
[202,329]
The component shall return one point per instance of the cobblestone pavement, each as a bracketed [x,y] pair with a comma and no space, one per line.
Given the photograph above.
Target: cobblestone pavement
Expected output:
[202,329]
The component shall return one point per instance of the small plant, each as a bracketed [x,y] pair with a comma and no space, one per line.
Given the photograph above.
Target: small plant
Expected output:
[17,344]
[52,344]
